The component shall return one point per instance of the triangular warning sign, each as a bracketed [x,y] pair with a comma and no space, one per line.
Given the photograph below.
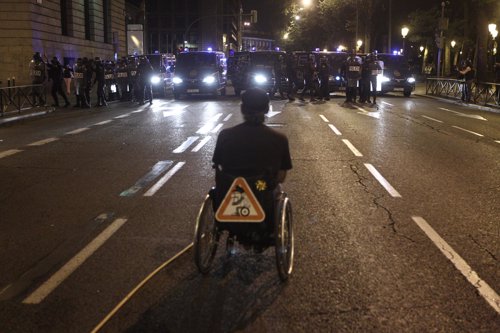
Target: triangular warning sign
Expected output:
[240,204]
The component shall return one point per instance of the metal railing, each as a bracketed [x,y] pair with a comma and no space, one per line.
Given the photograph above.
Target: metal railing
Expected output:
[483,93]
[18,98]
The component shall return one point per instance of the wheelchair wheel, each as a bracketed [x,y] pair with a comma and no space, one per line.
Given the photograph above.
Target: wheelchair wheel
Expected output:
[284,238]
[206,236]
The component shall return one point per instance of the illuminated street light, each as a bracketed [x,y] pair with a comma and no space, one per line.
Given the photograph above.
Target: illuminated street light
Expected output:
[492,27]
[404,33]
[306,3]
[359,43]
[246,24]
[494,34]
[286,35]
[297,17]
[421,48]
[453,43]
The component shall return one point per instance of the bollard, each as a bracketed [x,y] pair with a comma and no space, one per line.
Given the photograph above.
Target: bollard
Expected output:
[13,81]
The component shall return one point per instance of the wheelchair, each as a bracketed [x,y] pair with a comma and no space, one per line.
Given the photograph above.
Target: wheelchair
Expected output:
[253,211]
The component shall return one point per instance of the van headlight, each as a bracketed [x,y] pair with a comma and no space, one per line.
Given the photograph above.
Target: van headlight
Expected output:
[209,79]
[337,78]
[260,79]
[155,79]
[384,79]
[411,80]
[177,80]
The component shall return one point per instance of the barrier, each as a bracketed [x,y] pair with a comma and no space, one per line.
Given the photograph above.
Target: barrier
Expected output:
[19,98]
[484,93]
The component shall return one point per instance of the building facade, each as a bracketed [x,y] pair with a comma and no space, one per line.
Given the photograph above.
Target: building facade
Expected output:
[67,29]
[172,25]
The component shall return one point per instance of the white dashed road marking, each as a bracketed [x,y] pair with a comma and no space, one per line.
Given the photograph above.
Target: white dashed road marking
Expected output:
[388,187]
[164,179]
[324,118]
[387,103]
[55,280]
[42,142]
[438,121]
[228,117]
[465,130]
[334,129]
[352,148]
[80,130]
[185,145]
[217,128]
[201,144]
[103,122]
[9,152]
[482,287]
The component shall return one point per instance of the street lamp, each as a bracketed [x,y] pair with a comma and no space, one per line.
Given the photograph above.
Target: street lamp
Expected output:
[404,33]
[359,43]
[297,17]
[492,27]
[306,3]
[421,49]
[453,43]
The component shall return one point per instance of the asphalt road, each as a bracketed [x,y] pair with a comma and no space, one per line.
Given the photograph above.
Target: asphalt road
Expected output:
[396,211]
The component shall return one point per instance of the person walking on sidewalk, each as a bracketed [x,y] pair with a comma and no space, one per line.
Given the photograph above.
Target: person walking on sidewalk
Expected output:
[56,76]
[468,75]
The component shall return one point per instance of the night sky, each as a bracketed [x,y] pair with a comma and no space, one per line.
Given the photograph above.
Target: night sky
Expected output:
[269,11]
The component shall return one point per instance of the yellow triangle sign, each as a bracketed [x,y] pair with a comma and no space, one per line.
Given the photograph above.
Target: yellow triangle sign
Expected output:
[240,204]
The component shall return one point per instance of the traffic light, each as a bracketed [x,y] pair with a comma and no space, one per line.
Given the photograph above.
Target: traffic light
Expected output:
[253,16]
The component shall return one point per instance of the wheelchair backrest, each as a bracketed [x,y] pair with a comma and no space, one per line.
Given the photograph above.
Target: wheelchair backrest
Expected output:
[243,197]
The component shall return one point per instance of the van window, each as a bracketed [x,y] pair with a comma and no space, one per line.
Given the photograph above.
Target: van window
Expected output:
[187,60]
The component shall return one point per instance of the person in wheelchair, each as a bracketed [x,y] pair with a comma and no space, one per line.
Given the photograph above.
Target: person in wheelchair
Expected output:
[255,151]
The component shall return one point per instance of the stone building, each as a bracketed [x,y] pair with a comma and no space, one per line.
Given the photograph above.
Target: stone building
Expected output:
[67,29]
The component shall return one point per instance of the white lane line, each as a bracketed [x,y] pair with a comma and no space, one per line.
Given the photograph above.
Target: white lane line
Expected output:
[334,129]
[164,179]
[473,116]
[217,128]
[185,145]
[228,117]
[430,118]
[465,130]
[80,130]
[9,152]
[367,113]
[352,148]
[137,111]
[201,144]
[103,122]
[388,187]
[42,142]
[55,280]
[482,287]
[387,103]
[324,118]
[497,141]
[123,116]
[216,118]
[205,129]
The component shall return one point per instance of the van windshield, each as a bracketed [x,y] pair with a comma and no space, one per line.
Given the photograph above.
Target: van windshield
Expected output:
[189,60]
[394,61]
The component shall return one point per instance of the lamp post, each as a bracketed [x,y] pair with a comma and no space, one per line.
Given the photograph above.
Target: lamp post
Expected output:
[358,44]
[404,33]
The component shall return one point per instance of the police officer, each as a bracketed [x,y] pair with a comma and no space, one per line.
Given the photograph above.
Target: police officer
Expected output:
[144,74]
[79,70]
[364,81]
[352,70]
[110,81]
[89,73]
[56,76]
[132,79]
[122,79]
[375,71]
[324,75]
[101,82]
[310,79]
[279,74]
[38,75]
[291,74]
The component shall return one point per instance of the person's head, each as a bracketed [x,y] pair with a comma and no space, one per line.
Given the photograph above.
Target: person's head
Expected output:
[37,56]
[55,61]
[254,105]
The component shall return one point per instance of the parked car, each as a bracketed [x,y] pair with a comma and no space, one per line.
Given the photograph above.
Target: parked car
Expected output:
[200,72]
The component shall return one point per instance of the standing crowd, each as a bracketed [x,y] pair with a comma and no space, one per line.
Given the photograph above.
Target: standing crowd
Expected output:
[127,80]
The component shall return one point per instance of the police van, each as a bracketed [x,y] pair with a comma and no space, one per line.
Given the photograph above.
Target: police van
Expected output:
[397,74]
[162,64]
[200,72]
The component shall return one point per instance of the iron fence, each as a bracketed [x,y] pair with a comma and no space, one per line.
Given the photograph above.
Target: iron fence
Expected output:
[483,93]
[17,99]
